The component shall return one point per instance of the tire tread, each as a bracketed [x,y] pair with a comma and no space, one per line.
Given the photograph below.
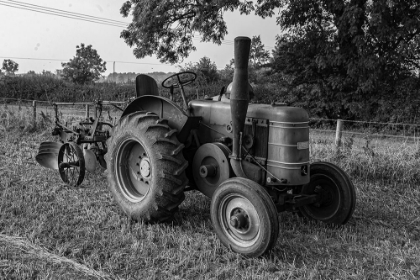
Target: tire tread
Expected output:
[170,179]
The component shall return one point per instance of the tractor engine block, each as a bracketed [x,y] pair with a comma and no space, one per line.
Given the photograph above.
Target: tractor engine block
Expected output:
[275,141]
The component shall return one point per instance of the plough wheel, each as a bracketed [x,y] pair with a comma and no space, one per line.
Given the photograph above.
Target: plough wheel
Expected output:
[71,164]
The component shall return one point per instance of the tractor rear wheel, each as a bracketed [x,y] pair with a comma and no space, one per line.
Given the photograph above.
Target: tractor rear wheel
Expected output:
[337,196]
[244,217]
[146,168]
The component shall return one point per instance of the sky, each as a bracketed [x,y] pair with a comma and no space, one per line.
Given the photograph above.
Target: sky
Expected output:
[29,34]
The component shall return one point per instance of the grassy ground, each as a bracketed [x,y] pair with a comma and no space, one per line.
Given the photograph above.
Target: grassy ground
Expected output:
[51,231]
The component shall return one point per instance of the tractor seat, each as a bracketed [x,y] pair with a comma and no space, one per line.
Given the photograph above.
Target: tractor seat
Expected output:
[146,85]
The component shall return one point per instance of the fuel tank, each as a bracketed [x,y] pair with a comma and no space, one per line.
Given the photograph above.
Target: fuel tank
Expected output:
[277,137]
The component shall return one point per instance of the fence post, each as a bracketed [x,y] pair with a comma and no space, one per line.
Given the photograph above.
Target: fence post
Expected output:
[338,133]
[87,111]
[95,108]
[5,104]
[34,116]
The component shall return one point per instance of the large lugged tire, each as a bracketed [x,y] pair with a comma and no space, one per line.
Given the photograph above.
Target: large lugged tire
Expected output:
[336,191]
[244,217]
[146,168]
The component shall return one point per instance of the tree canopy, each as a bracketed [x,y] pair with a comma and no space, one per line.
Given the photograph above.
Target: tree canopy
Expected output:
[10,66]
[85,67]
[167,28]
[205,69]
[258,55]
[339,58]
[349,53]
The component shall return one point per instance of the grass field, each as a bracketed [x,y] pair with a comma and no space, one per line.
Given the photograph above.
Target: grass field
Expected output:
[51,231]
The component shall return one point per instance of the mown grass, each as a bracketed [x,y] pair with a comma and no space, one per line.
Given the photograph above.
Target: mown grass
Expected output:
[51,231]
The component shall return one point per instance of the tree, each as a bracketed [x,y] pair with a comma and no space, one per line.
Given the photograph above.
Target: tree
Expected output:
[86,67]
[205,69]
[347,58]
[10,66]
[166,28]
[47,73]
[341,57]
[258,55]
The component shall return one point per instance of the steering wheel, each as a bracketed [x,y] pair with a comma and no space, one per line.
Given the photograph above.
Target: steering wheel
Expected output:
[191,76]
[168,83]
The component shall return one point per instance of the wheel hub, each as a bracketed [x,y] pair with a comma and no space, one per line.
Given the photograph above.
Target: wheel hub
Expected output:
[239,220]
[145,167]
[135,174]
[211,167]
[324,196]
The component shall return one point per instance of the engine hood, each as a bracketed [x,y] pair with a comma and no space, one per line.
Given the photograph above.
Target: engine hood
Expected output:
[218,113]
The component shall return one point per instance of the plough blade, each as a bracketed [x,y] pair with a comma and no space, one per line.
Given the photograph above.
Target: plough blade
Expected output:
[48,154]
[48,160]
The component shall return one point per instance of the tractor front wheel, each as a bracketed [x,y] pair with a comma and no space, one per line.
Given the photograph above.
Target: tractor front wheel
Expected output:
[146,168]
[244,217]
[335,191]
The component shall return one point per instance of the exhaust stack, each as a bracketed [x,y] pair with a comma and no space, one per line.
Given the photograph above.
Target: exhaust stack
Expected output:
[239,100]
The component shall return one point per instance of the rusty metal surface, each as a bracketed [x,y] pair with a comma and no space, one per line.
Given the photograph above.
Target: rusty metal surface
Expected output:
[239,95]
[162,107]
[49,147]
[91,161]
[48,159]
[146,85]
[218,112]
[48,154]
[286,137]
[288,151]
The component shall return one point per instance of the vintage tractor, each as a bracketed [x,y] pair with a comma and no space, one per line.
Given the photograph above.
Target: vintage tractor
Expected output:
[252,160]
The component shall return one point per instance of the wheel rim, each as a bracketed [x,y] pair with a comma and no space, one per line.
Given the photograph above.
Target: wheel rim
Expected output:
[329,198]
[239,220]
[69,165]
[133,170]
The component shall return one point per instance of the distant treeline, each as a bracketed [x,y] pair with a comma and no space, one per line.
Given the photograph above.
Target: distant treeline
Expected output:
[50,88]
[131,77]
[401,107]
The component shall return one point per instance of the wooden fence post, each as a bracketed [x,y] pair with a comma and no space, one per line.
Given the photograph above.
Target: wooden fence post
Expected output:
[87,111]
[5,104]
[95,114]
[34,116]
[338,133]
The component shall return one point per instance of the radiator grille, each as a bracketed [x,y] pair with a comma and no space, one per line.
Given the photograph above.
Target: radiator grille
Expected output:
[260,136]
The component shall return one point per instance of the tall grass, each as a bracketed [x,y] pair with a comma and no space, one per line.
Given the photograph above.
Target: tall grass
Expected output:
[386,160]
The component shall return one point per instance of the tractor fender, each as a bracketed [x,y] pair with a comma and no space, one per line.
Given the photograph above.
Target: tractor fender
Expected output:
[164,109]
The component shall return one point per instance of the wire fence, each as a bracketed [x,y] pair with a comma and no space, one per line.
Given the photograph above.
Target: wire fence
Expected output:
[109,111]
[365,136]
[363,130]
[373,129]
[374,140]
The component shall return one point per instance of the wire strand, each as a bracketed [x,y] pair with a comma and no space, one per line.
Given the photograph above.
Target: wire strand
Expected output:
[80,16]
[68,12]
[3,3]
